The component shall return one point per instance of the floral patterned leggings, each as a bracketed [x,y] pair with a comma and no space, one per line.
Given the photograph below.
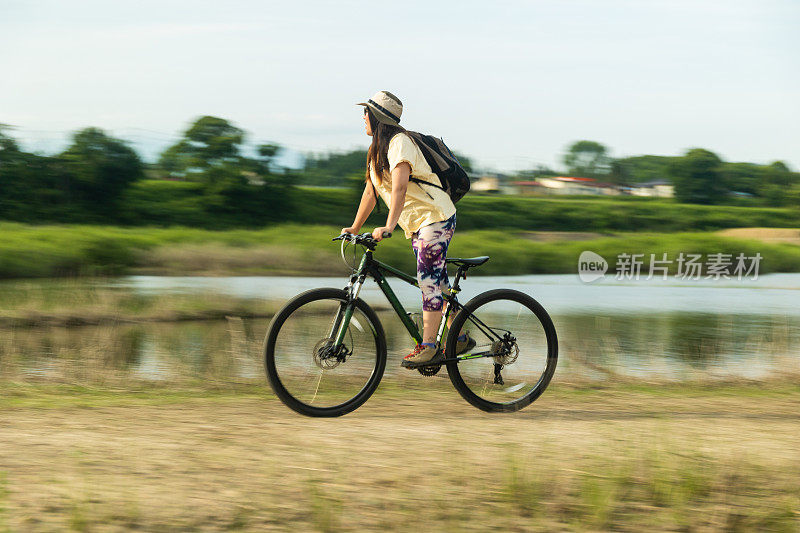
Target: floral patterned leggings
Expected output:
[430,248]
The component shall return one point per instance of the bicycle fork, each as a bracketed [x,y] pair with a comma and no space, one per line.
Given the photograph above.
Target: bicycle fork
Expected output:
[345,313]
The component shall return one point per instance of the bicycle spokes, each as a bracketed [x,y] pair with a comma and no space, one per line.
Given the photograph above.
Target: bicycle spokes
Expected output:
[510,355]
[311,367]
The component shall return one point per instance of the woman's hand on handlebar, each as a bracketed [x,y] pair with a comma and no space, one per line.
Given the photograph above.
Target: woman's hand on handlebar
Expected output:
[351,230]
[381,233]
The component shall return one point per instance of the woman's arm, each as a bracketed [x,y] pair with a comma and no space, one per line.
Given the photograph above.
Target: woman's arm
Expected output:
[400,176]
[366,206]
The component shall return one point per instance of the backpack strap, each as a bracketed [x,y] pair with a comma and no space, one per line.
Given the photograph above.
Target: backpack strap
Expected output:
[377,197]
[423,182]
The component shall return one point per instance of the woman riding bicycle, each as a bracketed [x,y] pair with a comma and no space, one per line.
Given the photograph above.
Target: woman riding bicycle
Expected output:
[426,213]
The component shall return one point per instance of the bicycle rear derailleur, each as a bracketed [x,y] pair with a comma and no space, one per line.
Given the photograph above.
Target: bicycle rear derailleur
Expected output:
[506,351]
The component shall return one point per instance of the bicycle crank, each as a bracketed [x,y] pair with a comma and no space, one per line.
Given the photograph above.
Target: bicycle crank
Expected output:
[430,370]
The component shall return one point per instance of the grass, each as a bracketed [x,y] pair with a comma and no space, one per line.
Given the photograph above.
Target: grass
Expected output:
[619,457]
[46,251]
[613,214]
[326,506]
[79,302]
[3,500]
[50,395]
[58,396]
[179,203]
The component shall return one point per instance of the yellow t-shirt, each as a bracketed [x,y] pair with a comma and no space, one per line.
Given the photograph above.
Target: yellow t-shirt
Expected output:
[424,204]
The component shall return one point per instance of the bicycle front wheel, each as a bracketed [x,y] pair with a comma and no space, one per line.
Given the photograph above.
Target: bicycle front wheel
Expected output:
[303,369]
[515,352]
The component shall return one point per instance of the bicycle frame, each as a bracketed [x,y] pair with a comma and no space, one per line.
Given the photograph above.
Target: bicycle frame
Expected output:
[376,269]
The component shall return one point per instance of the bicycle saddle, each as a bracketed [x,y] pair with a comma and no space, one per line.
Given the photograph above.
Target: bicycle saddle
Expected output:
[469,261]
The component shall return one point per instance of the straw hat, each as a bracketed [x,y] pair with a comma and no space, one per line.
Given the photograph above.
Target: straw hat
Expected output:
[386,107]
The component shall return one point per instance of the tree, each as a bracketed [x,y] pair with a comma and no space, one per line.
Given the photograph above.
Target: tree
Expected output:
[236,189]
[744,177]
[769,182]
[540,171]
[263,165]
[640,169]
[466,162]
[238,197]
[15,190]
[587,159]
[269,151]
[8,145]
[620,172]
[779,186]
[780,166]
[333,169]
[176,160]
[40,188]
[99,169]
[208,143]
[779,174]
[698,178]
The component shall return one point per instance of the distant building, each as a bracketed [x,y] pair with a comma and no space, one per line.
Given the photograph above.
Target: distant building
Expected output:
[490,184]
[574,185]
[654,188]
[528,188]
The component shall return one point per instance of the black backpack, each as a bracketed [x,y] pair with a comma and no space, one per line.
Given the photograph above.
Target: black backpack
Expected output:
[454,179]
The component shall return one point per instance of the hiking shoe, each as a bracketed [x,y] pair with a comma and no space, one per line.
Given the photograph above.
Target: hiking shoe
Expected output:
[465,345]
[421,355]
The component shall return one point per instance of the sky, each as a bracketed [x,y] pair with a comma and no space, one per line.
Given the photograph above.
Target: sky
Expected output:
[509,83]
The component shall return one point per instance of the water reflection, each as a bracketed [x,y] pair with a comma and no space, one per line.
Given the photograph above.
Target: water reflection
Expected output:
[676,345]
[671,345]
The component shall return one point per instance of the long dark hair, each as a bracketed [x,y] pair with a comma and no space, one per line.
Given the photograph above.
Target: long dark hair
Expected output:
[377,156]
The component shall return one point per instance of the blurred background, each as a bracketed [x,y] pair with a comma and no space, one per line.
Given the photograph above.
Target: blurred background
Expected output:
[172,173]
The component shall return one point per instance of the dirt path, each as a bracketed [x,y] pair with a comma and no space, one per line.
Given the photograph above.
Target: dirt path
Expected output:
[770,235]
[428,462]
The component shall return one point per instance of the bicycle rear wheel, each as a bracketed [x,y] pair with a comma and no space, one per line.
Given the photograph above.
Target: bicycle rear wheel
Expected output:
[515,354]
[303,370]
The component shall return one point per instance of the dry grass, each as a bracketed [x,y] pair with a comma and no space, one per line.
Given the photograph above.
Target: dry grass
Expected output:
[770,235]
[214,259]
[415,457]
[82,303]
[560,236]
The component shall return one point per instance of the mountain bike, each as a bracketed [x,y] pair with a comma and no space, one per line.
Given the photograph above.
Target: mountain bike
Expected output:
[325,350]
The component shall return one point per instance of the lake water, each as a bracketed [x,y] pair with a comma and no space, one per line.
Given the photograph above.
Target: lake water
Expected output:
[646,328]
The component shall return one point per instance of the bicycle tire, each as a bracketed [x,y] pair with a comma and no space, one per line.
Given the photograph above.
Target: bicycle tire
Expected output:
[549,331]
[273,375]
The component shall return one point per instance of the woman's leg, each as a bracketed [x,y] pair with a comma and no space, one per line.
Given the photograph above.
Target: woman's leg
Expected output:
[430,247]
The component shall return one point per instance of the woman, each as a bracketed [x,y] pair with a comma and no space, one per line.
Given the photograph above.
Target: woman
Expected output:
[426,214]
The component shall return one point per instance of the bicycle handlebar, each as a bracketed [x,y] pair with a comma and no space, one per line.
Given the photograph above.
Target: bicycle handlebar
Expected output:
[364,239]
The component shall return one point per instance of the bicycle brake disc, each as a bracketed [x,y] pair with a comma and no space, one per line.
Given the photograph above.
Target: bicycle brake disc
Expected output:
[323,357]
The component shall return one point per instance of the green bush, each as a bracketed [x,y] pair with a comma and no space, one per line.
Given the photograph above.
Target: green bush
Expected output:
[43,251]
[165,203]
[338,207]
